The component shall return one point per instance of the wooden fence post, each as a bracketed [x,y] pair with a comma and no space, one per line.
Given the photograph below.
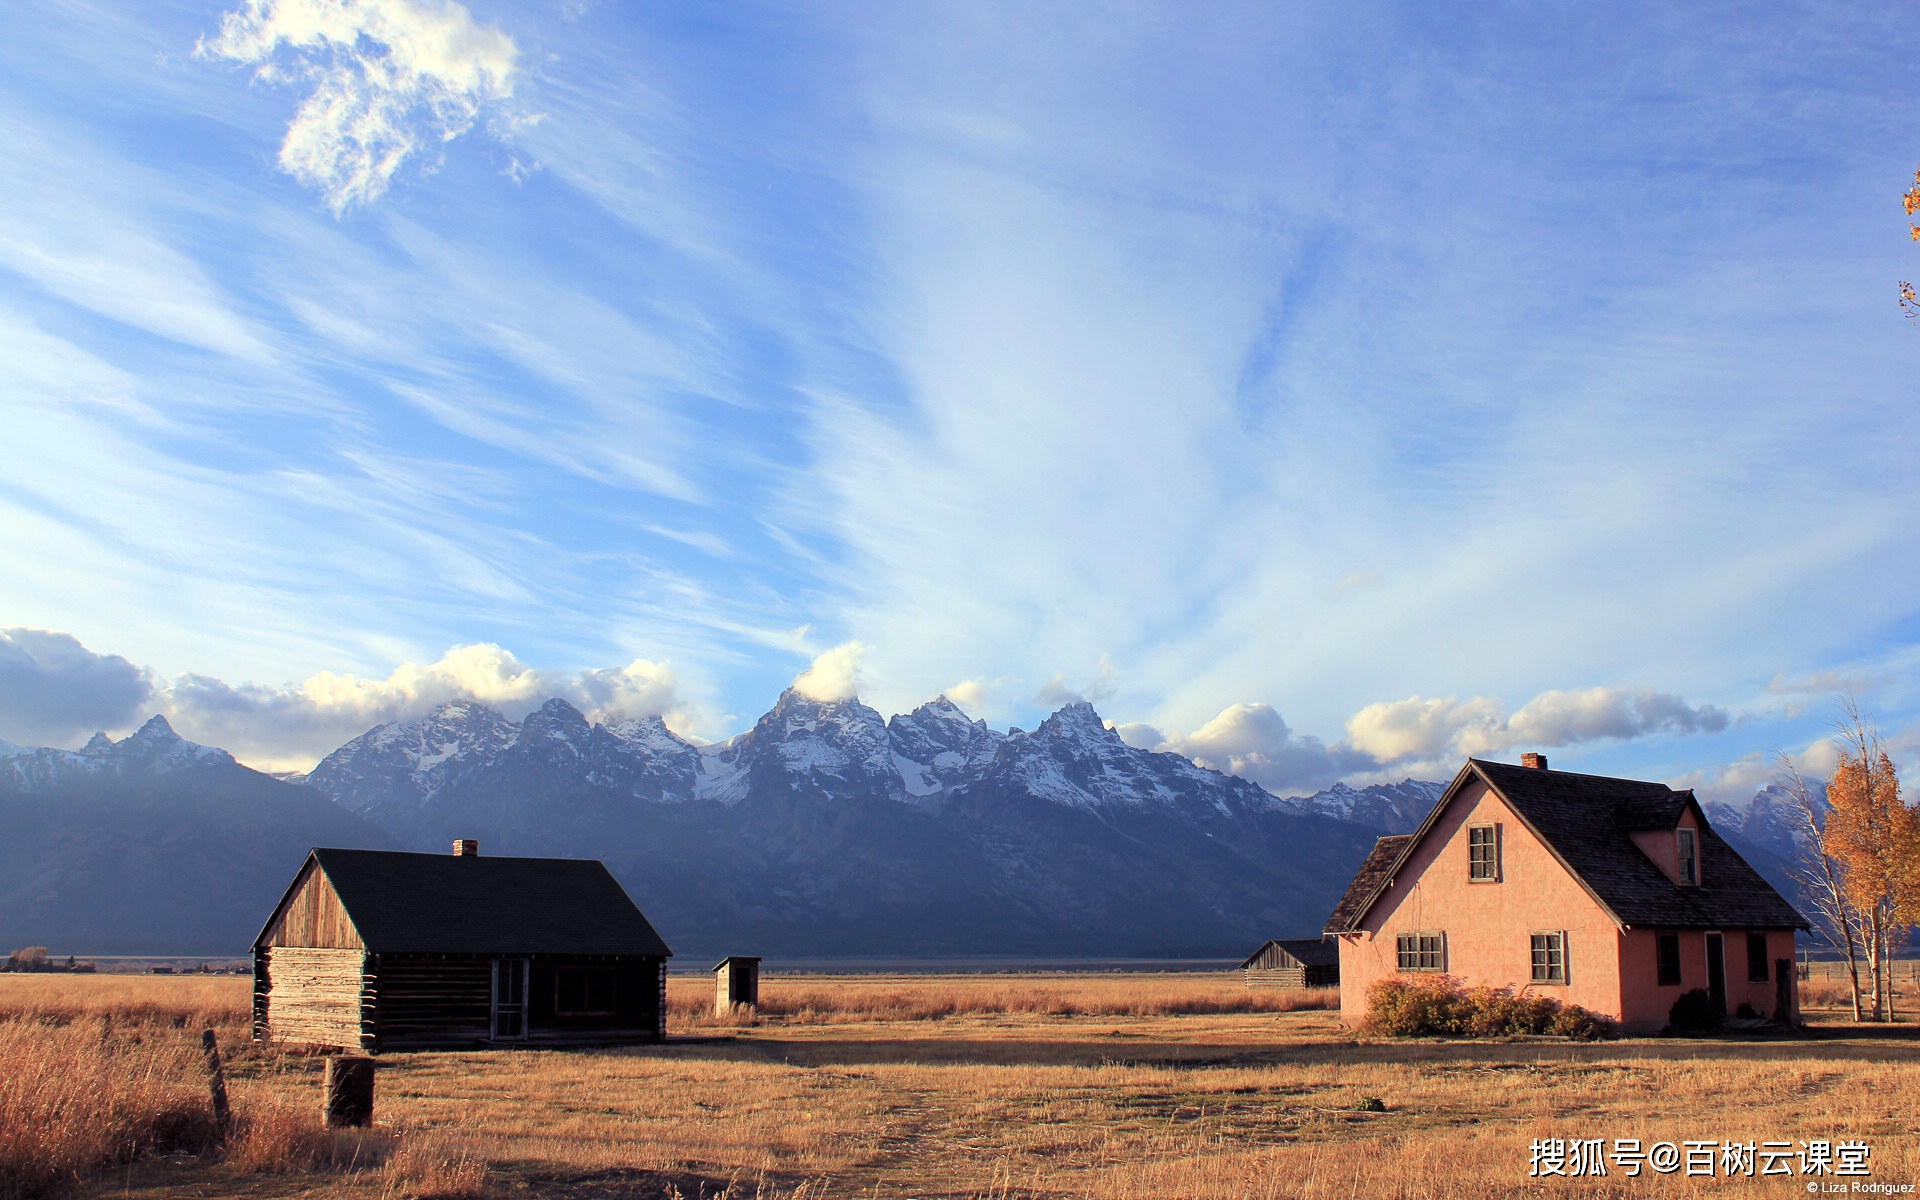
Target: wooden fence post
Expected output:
[348,1090]
[217,1084]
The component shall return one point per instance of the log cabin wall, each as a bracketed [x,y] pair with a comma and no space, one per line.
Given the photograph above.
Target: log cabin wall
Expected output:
[1277,977]
[314,996]
[432,999]
[622,996]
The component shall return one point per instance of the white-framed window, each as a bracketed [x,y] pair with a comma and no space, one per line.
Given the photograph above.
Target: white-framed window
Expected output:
[1422,951]
[1549,955]
[1689,857]
[1483,853]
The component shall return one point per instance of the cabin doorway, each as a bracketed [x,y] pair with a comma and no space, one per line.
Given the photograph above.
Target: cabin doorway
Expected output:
[1717,973]
[509,999]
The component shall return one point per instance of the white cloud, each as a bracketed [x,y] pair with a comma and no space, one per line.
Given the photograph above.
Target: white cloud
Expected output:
[1419,728]
[1054,692]
[292,725]
[1737,781]
[54,690]
[834,675]
[970,694]
[1254,742]
[388,77]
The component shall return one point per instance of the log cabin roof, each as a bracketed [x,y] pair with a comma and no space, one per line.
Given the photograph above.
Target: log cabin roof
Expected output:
[1585,822]
[404,903]
[1308,952]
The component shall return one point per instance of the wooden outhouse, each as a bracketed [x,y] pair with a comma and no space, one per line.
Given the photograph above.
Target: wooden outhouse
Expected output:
[736,981]
[377,950]
[1294,963]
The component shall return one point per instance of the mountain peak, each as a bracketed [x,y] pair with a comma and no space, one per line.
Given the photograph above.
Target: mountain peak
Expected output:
[156,733]
[97,745]
[1077,720]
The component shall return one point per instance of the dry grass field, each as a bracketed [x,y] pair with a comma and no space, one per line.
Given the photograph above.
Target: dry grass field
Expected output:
[1107,1086]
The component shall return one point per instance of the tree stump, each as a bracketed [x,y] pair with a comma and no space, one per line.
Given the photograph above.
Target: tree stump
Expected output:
[348,1090]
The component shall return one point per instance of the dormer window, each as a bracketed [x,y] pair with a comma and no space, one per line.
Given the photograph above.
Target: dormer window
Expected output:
[1689,859]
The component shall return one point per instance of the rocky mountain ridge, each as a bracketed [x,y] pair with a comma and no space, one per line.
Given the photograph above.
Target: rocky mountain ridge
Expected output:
[822,830]
[152,844]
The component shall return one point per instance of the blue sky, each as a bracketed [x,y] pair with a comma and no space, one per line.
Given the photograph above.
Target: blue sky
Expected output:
[1324,391]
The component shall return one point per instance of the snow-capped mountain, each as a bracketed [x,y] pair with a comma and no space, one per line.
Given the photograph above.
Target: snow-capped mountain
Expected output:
[827,829]
[392,769]
[936,749]
[152,844]
[1388,807]
[152,747]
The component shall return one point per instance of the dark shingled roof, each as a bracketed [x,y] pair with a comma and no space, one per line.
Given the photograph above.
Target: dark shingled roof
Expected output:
[447,904]
[1371,877]
[1311,952]
[1586,820]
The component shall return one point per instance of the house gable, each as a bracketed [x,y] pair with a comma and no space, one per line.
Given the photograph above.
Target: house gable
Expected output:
[311,915]
[1472,784]
[1432,887]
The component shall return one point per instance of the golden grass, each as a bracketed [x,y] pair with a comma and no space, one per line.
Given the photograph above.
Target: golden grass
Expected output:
[1111,1088]
[76,1096]
[844,999]
[100,1071]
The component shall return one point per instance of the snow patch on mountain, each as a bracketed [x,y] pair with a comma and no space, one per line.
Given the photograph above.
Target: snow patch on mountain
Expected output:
[154,747]
[1389,807]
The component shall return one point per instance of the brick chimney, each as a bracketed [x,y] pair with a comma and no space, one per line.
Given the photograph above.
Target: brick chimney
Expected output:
[466,848]
[1537,761]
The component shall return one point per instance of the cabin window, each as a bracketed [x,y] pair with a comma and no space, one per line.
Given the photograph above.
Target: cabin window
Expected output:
[1423,951]
[583,991]
[1483,853]
[1689,861]
[1550,956]
[1667,956]
[1756,958]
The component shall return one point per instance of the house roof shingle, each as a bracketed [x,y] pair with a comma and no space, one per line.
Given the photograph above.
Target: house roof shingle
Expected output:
[1369,879]
[1586,821]
[445,904]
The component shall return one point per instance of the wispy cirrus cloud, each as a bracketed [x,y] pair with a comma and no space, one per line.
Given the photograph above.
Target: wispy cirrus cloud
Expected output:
[388,78]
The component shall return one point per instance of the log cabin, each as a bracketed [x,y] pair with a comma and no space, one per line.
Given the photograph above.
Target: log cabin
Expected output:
[1613,894]
[373,950]
[1293,963]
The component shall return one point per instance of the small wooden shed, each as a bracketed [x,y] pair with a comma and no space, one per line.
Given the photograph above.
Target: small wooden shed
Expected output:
[736,981]
[377,950]
[1292,963]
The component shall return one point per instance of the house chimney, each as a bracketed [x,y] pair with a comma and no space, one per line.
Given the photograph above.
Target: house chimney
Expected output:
[466,848]
[1537,761]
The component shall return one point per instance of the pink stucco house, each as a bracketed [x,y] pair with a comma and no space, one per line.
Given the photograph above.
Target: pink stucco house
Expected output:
[1612,894]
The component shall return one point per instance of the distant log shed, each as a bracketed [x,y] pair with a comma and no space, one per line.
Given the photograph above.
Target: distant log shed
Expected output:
[1296,962]
[375,950]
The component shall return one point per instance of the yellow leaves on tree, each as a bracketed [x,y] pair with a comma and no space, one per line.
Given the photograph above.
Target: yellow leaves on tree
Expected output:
[1874,837]
[1874,840]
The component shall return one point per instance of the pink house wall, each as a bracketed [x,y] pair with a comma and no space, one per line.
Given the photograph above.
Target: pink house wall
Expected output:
[1488,926]
[1648,1003]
